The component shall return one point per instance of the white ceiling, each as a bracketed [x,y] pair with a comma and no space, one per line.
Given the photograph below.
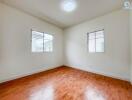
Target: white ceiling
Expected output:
[51,11]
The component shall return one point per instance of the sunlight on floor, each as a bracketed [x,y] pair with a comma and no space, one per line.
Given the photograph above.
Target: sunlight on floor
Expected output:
[93,94]
[46,93]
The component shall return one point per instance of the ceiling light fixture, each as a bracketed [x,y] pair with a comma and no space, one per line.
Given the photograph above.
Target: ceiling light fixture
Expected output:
[127,4]
[68,5]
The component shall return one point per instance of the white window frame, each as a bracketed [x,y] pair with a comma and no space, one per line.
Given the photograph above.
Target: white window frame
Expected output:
[43,42]
[95,40]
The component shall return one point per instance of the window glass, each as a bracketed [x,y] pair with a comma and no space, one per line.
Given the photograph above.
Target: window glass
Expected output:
[91,35]
[37,41]
[92,45]
[42,42]
[100,34]
[100,45]
[48,43]
[96,41]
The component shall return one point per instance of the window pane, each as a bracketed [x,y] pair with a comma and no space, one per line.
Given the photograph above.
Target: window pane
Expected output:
[100,45]
[100,34]
[48,43]
[37,41]
[91,35]
[92,45]
[48,37]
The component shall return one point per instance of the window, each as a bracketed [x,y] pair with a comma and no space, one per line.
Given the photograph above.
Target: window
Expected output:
[37,41]
[96,41]
[48,43]
[42,42]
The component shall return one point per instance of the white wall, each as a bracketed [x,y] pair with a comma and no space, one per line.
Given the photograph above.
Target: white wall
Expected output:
[115,61]
[131,40]
[16,59]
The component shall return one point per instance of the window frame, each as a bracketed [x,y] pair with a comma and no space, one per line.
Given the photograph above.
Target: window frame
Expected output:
[43,42]
[95,40]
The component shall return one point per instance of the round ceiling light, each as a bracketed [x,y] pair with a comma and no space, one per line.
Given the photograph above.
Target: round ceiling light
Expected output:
[68,5]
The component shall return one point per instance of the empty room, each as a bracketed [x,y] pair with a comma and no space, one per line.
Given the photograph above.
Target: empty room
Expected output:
[65,49]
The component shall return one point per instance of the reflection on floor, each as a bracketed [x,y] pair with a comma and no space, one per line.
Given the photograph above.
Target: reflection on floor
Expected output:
[65,83]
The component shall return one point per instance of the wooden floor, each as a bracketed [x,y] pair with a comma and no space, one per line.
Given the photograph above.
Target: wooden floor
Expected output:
[65,83]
